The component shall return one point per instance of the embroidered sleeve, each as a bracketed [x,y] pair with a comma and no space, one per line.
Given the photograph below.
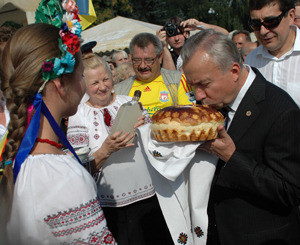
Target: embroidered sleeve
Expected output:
[78,136]
[77,133]
[84,224]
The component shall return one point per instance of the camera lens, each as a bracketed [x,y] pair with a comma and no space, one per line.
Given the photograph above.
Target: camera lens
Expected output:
[170,32]
[171,29]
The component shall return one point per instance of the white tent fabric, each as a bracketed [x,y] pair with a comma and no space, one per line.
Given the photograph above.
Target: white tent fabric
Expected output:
[19,11]
[116,33]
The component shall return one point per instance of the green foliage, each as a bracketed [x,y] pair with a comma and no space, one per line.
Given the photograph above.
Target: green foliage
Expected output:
[12,24]
[153,11]
[108,9]
[230,14]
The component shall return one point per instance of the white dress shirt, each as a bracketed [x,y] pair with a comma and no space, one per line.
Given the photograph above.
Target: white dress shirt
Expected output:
[284,71]
[235,104]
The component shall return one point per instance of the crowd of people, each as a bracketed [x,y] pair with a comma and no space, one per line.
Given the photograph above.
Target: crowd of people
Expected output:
[241,188]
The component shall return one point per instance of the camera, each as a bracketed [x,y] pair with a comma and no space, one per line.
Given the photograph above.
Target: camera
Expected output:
[170,29]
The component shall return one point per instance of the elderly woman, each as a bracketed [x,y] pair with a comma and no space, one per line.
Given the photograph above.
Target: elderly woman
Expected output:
[124,184]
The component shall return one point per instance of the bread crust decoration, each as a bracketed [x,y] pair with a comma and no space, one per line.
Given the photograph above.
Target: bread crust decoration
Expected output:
[186,123]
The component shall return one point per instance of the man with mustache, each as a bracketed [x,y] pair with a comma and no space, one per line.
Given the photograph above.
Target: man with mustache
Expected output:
[160,87]
[278,56]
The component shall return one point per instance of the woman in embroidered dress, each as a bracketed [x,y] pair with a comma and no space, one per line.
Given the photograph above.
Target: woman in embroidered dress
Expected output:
[124,185]
[55,199]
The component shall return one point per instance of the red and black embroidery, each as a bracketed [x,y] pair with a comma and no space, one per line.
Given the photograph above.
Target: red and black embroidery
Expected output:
[199,232]
[95,238]
[182,238]
[78,139]
[90,214]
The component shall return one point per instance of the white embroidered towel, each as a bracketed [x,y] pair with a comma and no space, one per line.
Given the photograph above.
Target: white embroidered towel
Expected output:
[182,178]
[168,158]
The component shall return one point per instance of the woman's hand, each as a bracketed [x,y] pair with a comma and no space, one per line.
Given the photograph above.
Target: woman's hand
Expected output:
[112,143]
[117,141]
[141,121]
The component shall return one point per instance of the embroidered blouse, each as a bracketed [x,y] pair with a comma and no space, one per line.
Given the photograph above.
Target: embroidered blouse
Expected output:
[55,202]
[124,178]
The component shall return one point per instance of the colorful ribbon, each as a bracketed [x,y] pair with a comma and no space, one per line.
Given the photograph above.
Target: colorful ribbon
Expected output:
[32,131]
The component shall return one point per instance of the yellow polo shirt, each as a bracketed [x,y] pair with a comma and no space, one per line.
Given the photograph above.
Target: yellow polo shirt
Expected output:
[155,94]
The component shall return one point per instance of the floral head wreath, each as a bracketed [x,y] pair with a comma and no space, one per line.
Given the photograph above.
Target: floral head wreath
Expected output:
[63,15]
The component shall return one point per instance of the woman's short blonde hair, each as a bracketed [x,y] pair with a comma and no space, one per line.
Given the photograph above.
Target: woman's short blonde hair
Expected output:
[92,61]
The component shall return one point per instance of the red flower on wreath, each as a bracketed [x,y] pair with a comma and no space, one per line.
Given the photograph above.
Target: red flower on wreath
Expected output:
[47,66]
[72,42]
[76,14]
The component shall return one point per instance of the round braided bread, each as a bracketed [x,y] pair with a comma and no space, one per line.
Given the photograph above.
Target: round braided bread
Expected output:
[186,123]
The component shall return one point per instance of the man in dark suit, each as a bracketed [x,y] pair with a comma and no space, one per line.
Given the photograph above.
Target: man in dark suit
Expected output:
[256,187]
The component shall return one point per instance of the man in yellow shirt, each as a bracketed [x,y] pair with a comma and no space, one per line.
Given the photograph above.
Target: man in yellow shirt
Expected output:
[160,87]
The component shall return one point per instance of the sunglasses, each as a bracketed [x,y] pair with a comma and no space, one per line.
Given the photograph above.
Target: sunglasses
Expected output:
[269,23]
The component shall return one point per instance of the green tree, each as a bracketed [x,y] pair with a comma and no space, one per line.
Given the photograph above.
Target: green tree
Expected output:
[108,9]
[230,14]
[153,11]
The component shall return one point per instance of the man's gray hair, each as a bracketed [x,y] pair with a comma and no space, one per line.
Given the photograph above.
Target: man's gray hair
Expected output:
[245,32]
[142,40]
[217,45]
[120,51]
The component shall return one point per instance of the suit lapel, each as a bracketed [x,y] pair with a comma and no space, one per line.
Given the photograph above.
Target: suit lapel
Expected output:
[248,109]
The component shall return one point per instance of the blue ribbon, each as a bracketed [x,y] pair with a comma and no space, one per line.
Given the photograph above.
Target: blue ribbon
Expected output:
[32,131]
[8,162]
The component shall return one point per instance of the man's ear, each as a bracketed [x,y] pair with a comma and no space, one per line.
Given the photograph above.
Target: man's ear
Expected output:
[235,71]
[160,57]
[291,16]
[58,84]
[187,34]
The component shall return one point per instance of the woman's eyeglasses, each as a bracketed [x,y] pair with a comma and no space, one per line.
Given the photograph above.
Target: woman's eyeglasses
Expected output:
[148,61]
[269,23]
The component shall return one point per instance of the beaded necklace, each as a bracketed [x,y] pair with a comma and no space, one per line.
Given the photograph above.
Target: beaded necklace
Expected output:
[57,145]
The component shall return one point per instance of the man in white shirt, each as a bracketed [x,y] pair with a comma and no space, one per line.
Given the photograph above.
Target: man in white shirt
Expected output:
[278,56]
